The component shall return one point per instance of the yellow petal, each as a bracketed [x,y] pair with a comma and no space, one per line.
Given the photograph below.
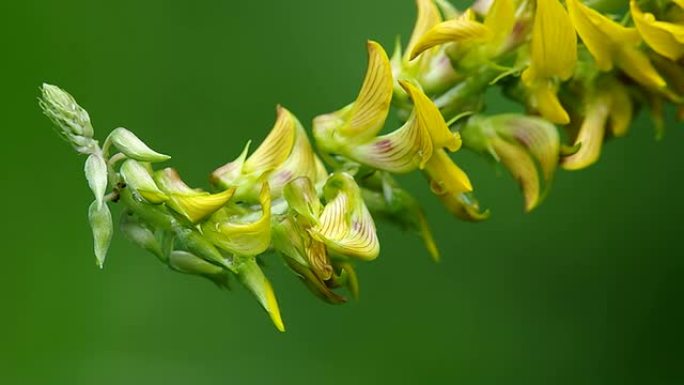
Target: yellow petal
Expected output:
[428,17]
[302,198]
[242,235]
[621,109]
[543,98]
[554,42]
[300,163]
[463,206]
[400,151]
[194,205]
[521,166]
[445,176]
[275,148]
[637,65]
[665,38]
[253,278]
[601,35]
[369,111]
[591,135]
[429,117]
[680,3]
[345,226]
[500,20]
[456,30]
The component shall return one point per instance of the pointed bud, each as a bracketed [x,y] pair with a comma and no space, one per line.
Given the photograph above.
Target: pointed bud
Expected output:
[101,223]
[96,174]
[71,119]
[138,178]
[134,148]
[189,263]
[253,278]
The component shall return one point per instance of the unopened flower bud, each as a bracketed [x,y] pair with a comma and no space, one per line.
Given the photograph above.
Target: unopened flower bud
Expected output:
[71,120]
[134,148]
[138,178]
[101,223]
[96,174]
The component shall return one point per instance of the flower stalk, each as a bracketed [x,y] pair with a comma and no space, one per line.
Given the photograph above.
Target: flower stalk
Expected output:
[580,71]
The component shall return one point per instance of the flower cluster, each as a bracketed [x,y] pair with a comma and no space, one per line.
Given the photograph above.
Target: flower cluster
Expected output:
[580,70]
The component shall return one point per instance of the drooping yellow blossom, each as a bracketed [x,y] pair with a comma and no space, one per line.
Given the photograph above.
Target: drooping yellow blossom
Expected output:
[607,111]
[284,155]
[665,38]
[612,44]
[527,146]
[553,57]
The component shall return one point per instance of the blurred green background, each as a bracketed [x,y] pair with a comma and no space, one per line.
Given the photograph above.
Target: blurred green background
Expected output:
[585,290]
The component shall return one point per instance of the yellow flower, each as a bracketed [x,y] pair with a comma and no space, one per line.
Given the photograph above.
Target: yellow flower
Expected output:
[284,155]
[611,44]
[553,57]
[665,38]
[345,225]
[408,148]
[487,38]
[240,233]
[194,205]
[522,144]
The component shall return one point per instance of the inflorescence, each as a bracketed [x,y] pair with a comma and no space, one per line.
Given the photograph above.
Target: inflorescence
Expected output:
[316,209]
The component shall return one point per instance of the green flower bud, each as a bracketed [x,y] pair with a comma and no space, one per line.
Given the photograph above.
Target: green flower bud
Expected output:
[134,148]
[72,121]
[101,224]
[96,173]
[138,178]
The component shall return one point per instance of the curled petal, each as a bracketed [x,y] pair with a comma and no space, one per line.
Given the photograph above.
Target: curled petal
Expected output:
[302,162]
[228,174]
[371,107]
[464,206]
[431,120]
[277,146]
[194,205]
[365,117]
[522,167]
[445,176]
[544,99]
[345,226]
[400,151]
[450,31]
[241,235]
[665,38]
[591,135]
[254,279]
[428,17]
[621,109]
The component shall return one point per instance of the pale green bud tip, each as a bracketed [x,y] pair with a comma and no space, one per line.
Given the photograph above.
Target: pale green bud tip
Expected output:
[101,223]
[72,120]
[134,148]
